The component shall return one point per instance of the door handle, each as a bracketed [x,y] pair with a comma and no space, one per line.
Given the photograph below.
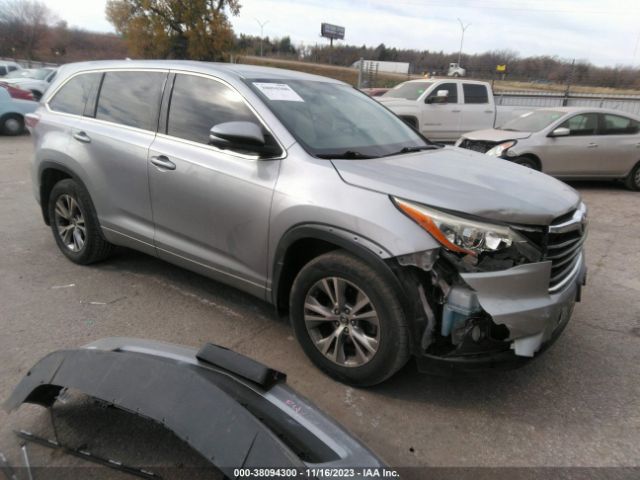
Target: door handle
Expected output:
[82,137]
[455,111]
[592,145]
[488,111]
[163,162]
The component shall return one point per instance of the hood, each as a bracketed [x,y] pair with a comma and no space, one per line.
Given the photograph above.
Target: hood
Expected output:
[495,135]
[391,102]
[463,181]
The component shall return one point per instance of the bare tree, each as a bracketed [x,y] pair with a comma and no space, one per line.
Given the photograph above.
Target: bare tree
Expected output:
[23,24]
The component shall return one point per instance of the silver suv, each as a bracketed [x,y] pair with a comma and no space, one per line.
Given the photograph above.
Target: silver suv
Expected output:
[312,196]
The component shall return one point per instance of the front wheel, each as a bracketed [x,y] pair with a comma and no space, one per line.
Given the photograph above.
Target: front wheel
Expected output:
[12,124]
[349,319]
[526,162]
[632,181]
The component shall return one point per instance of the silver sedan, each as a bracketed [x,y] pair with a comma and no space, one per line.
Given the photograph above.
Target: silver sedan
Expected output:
[567,142]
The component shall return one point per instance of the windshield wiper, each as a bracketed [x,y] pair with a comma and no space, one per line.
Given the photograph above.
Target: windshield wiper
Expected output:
[349,155]
[413,149]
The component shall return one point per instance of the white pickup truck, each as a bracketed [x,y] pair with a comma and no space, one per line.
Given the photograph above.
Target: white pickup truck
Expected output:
[445,109]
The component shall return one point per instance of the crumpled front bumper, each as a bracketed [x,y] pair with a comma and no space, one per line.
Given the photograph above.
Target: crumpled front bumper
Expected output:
[519,299]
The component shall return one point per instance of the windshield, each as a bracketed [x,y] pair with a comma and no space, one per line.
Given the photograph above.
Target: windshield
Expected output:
[38,74]
[408,90]
[336,121]
[533,121]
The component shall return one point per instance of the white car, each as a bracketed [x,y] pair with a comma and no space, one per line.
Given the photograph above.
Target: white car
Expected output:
[36,80]
[8,67]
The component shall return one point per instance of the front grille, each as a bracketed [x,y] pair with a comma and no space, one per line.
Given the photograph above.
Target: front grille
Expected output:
[564,247]
[481,146]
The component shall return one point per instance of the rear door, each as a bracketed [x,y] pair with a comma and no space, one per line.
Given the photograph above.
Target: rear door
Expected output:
[210,206]
[578,154]
[441,117]
[619,144]
[112,142]
[478,113]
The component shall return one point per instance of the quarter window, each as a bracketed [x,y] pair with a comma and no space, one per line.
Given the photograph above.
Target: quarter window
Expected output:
[475,93]
[198,103]
[618,125]
[583,124]
[452,88]
[3,70]
[131,98]
[73,96]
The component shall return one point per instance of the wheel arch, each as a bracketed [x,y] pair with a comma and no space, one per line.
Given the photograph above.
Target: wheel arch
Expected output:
[302,243]
[50,173]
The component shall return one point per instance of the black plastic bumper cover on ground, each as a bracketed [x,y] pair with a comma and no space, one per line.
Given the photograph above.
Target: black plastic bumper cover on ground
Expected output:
[232,421]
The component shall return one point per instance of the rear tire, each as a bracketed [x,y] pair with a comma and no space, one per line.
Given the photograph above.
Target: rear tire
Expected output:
[362,337]
[632,182]
[12,124]
[74,224]
[526,162]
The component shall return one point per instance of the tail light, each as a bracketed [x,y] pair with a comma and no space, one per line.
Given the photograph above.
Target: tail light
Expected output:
[17,93]
[31,120]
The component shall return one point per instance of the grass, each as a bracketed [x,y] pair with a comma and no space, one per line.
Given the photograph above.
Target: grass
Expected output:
[350,75]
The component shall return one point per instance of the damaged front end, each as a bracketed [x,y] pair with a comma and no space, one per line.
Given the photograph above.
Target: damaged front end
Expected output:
[498,305]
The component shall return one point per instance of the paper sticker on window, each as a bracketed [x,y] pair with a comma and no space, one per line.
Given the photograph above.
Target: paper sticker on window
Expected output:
[278,91]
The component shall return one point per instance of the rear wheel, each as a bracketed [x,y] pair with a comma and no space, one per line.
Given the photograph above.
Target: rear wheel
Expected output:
[633,179]
[526,162]
[349,320]
[12,124]
[75,225]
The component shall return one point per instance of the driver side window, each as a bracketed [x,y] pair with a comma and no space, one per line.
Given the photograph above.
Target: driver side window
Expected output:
[583,124]
[198,103]
[452,88]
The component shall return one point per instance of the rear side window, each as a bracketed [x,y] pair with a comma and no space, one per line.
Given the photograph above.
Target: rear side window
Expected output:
[12,68]
[584,124]
[198,103]
[73,96]
[452,88]
[475,93]
[131,98]
[618,125]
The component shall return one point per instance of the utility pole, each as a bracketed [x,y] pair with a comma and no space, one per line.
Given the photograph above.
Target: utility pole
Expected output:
[464,28]
[262,24]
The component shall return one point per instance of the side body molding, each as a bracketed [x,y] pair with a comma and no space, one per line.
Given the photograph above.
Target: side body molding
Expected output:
[235,412]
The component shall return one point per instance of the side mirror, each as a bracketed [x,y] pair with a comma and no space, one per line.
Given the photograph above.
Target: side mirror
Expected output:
[440,97]
[237,136]
[560,132]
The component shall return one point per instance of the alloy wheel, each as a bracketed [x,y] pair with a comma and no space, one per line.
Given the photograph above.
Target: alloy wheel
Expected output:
[12,125]
[70,223]
[342,322]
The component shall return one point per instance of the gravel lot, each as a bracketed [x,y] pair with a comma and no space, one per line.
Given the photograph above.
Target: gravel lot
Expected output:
[577,406]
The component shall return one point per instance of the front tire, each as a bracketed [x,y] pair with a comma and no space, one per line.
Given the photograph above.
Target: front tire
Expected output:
[349,319]
[74,224]
[526,162]
[632,182]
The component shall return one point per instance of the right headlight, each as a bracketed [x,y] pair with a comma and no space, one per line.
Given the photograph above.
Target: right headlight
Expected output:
[458,234]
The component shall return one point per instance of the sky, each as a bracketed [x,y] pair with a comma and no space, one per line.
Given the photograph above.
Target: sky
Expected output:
[603,33]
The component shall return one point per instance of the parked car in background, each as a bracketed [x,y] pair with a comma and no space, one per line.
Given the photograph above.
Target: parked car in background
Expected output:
[444,109]
[375,92]
[13,108]
[567,142]
[306,193]
[8,67]
[36,80]
[16,92]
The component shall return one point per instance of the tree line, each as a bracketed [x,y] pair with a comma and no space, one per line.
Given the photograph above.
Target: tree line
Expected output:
[201,30]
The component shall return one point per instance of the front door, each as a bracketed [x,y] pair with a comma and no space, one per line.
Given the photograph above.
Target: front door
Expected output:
[210,206]
[441,116]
